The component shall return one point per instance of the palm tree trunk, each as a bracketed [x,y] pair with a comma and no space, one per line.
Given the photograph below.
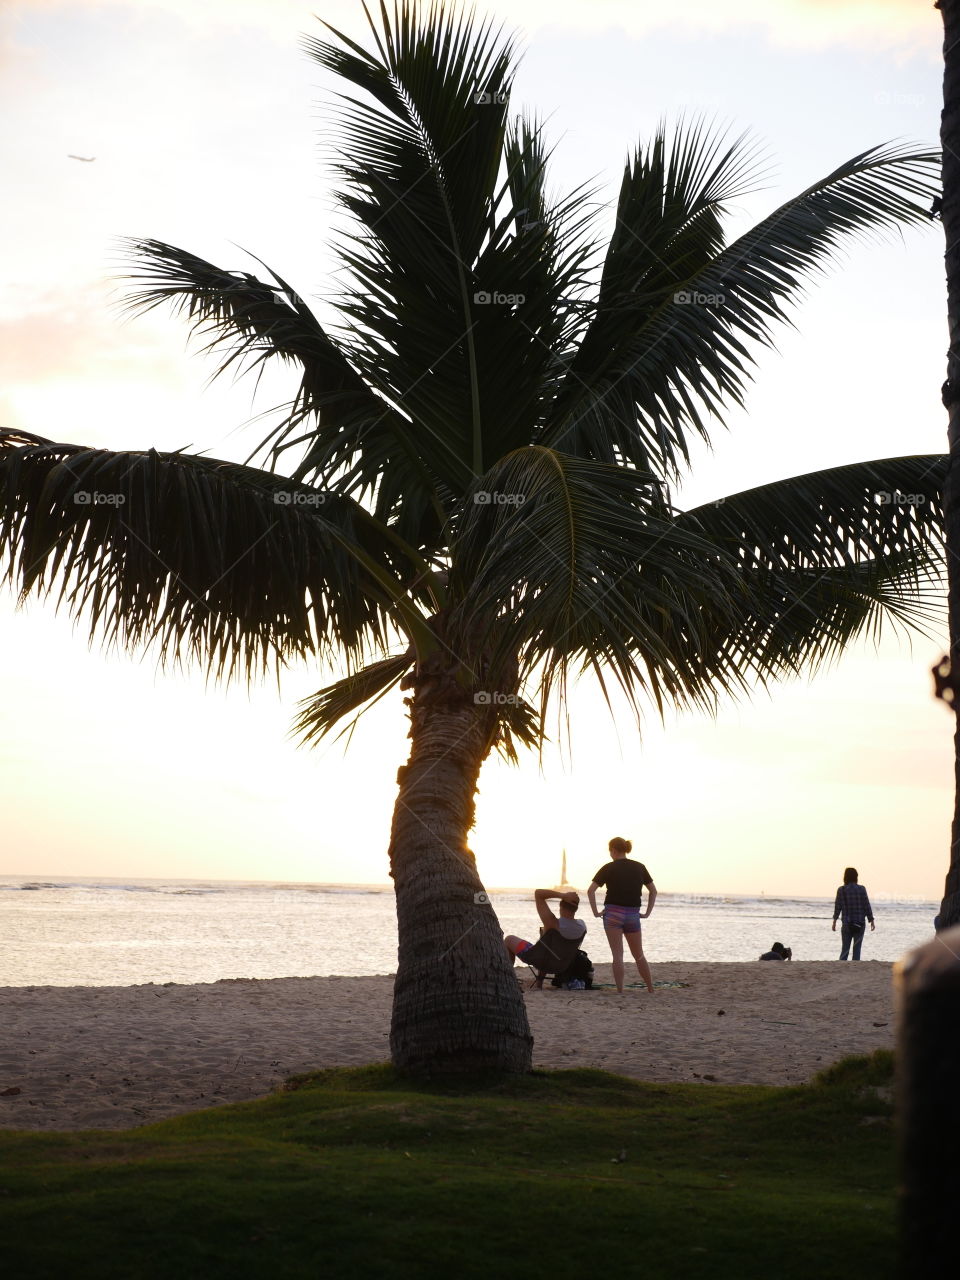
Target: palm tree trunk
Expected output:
[457,1007]
[950,141]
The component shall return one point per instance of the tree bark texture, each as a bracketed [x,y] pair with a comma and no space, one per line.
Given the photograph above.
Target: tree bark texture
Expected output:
[950,212]
[457,1007]
[927,984]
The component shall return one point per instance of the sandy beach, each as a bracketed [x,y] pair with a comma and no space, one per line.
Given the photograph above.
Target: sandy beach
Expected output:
[113,1057]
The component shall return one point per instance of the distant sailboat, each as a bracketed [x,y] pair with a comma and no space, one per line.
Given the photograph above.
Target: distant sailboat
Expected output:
[563,887]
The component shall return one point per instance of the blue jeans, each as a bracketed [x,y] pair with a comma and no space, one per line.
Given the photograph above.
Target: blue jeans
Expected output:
[848,935]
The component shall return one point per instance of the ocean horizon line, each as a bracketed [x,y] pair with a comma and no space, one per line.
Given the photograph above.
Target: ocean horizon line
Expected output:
[40,880]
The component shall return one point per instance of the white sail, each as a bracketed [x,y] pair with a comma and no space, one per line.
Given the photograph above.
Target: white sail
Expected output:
[563,886]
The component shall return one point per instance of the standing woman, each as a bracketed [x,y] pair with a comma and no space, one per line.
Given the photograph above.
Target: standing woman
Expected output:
[854,905]
[621,907]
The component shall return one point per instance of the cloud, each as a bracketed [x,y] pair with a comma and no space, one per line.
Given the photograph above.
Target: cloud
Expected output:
[807,24]
[73,334]
[810,24]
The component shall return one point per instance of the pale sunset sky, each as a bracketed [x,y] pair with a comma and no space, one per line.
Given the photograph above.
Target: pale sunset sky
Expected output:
[205,121]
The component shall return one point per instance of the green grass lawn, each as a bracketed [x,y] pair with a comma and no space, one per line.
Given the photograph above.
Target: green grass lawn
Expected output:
[356,1173]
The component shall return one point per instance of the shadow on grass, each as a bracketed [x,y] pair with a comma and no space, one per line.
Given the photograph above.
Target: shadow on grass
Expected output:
[383,1077]
[364,1172]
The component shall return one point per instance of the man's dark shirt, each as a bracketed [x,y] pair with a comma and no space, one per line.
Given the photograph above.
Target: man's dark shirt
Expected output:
[624,880]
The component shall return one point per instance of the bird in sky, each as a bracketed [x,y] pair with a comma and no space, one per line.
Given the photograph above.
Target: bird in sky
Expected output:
[85,159]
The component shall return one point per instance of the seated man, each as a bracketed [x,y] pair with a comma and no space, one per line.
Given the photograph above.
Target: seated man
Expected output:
[566,925]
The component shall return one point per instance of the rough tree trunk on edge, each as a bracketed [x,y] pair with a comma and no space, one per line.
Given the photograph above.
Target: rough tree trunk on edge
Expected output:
[457,1008]
[950,142]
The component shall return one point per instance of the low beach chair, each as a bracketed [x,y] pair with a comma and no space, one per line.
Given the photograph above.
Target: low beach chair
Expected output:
[552,954]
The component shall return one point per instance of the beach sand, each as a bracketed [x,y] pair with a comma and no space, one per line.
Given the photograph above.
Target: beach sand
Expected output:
[113,1057]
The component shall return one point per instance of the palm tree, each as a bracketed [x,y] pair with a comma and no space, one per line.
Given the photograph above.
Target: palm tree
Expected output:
[950,213]
[477,506]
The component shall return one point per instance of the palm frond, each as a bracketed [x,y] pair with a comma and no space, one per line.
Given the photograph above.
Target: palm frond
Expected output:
[518,725]
[462,265]
[250,322]
[828,557]
[675,343]
[578,564]
[545,245]
[324,710]
[831,518]
[808,618]
[419,169]
[237,567]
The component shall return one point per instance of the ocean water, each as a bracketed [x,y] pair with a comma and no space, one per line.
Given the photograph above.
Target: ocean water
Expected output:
[89,932]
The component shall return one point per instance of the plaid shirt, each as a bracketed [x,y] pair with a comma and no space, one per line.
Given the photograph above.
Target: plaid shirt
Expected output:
[852,900]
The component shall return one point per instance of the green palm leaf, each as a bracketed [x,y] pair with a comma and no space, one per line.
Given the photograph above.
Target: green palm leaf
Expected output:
[250,322]
[451,221]
[572,563]
[821,613]
[671,343]
[828,557]
[236,566]
[320,713]
[835,517]
[420,167]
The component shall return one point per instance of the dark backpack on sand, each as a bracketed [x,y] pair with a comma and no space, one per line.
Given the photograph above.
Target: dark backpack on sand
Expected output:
[580,969]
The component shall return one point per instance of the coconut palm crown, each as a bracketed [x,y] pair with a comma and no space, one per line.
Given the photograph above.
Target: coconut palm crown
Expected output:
[469,494]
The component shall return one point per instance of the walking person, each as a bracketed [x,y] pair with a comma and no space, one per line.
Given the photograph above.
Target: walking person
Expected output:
[624,881]
[854,906]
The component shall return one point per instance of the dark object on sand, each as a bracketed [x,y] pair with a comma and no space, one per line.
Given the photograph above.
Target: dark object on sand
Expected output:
[580,970]
[927,983]
[778,952]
